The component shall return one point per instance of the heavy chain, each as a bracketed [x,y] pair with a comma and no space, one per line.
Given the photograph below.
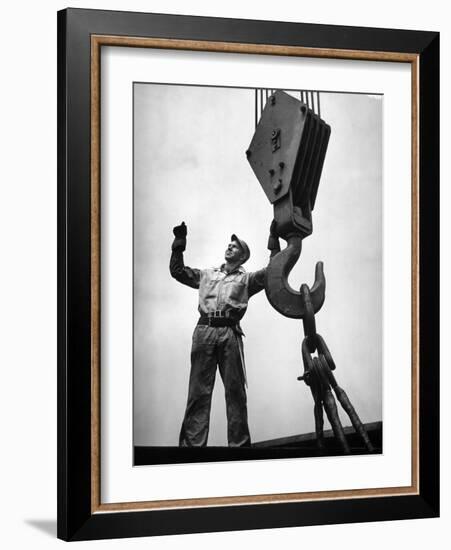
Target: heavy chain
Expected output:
[319,377]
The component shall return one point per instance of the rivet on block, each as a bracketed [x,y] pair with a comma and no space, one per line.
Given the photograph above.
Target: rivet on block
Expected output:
[277,186]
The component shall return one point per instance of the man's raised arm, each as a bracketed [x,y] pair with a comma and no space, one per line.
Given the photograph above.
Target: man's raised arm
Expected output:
[257,278]
[182,273]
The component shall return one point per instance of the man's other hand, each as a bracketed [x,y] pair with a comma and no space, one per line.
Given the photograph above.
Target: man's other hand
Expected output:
[273,229]
[273,241]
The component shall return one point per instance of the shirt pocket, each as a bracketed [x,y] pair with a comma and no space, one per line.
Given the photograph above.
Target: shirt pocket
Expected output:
[209,286]
[235,291]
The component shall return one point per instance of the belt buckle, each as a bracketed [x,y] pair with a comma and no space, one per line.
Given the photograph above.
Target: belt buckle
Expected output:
[215,315]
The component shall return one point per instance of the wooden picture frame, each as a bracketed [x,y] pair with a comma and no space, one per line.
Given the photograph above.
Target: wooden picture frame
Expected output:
[81,35]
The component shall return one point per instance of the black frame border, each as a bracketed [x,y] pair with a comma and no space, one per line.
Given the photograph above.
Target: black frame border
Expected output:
[75,519]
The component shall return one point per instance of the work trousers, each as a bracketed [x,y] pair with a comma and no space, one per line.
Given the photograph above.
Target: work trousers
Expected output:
[215,347]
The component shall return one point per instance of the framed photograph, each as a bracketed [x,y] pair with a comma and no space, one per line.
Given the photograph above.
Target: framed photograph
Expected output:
[248,274]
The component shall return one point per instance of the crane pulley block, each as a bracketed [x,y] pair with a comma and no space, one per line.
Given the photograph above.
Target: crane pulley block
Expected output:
[287,155]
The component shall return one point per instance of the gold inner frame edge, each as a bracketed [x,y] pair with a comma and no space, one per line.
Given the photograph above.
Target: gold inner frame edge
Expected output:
[97,41]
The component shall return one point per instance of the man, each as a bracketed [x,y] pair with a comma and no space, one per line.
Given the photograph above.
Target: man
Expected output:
[217,340]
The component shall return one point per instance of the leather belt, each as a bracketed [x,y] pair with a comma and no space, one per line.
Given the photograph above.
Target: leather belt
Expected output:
[217,321]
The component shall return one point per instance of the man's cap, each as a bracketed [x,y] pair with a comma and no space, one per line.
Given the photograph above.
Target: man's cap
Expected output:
[243,247]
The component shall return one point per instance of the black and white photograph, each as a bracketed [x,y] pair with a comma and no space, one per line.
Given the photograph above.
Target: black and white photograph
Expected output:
[257,273]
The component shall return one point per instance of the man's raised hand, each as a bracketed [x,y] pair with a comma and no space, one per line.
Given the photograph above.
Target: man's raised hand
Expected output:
[180,231]
[273,229]
[273,241]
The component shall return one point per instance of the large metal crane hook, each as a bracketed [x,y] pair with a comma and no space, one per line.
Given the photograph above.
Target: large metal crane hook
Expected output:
[281,296]
[287,154]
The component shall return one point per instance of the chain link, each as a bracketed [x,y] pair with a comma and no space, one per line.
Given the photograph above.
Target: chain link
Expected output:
[319,377]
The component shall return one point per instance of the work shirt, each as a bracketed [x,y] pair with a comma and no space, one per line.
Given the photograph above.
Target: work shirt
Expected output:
[219,290]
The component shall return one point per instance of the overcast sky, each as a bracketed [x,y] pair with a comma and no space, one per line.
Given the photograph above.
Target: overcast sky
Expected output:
[190,164]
